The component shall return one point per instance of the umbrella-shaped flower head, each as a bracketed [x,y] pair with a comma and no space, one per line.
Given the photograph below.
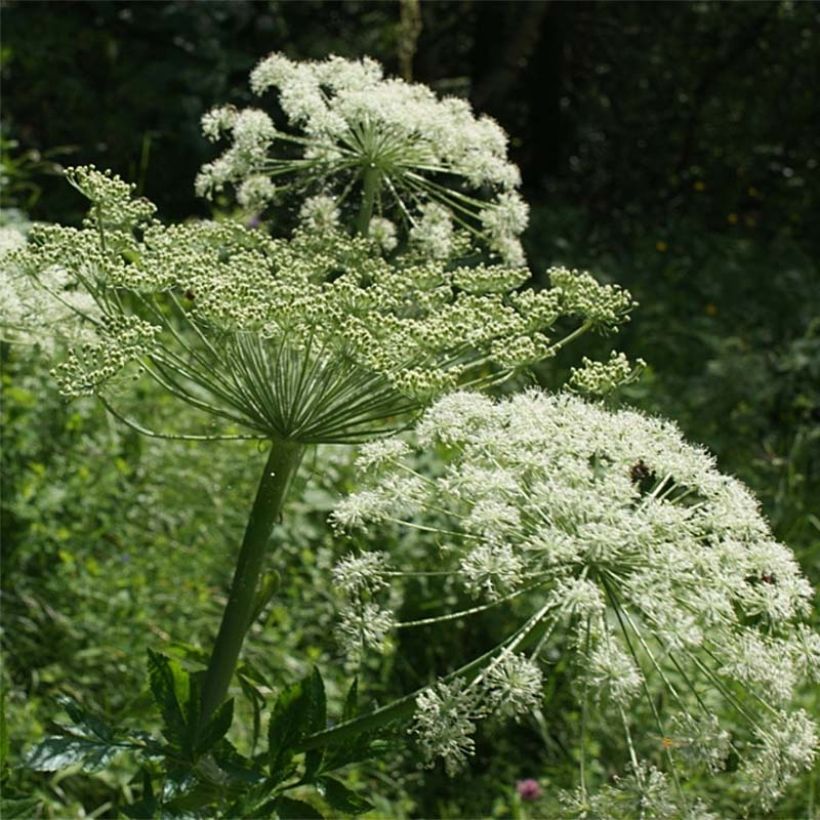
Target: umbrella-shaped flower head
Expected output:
[627,558]
[313,339]
[356,141]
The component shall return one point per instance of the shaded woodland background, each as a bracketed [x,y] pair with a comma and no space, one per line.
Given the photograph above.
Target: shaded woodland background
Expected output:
[671,147]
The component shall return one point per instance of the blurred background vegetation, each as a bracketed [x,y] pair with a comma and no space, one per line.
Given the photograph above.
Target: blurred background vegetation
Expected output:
[671,147]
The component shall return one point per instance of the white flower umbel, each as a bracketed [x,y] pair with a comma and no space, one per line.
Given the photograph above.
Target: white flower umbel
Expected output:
[366,627]
[445,723]
[378,147]
[635,555]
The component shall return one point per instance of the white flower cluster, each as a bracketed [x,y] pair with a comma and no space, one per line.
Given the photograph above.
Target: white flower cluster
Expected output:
[645,792]
[316,338]
[659,571]
[43,310]
[428,163]
[447,712]
[364,623]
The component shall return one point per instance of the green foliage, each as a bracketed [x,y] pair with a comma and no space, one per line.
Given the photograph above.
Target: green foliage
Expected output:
[196,771]
[674,153]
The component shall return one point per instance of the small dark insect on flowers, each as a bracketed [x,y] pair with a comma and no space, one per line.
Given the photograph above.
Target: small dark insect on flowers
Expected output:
[639,471]
[189,294]
[763,578]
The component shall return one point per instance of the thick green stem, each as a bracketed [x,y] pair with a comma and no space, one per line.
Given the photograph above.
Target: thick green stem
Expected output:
[282,463]
[371,181]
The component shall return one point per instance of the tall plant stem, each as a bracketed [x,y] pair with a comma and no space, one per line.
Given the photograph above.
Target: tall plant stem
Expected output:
[371,182]
[281,465]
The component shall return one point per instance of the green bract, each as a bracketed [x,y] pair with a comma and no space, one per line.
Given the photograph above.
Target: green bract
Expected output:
[315,339]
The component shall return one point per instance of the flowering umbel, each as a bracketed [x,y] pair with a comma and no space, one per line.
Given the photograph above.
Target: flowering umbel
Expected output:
[314,339]
[359,142]
[621,544]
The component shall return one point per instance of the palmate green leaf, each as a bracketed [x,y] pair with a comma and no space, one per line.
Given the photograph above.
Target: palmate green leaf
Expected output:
[89,743]
[341,798]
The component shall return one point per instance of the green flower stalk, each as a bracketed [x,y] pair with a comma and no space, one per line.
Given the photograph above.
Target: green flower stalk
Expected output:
[403,162]
[616,543]
[312,340]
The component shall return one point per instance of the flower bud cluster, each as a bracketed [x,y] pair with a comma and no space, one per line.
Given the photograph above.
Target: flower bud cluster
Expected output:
[316,338]
[603,378]
[120,341]
[604,306]
[118,208]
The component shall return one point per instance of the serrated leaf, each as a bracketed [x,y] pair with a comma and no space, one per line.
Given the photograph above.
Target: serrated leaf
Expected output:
[317,723]
[217,727]
[313,763]
[196,797]
[170,687]
[289,809]
[178,783]
[343,799]
[288,724]
[237,768]
[85,723]
[57,753]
